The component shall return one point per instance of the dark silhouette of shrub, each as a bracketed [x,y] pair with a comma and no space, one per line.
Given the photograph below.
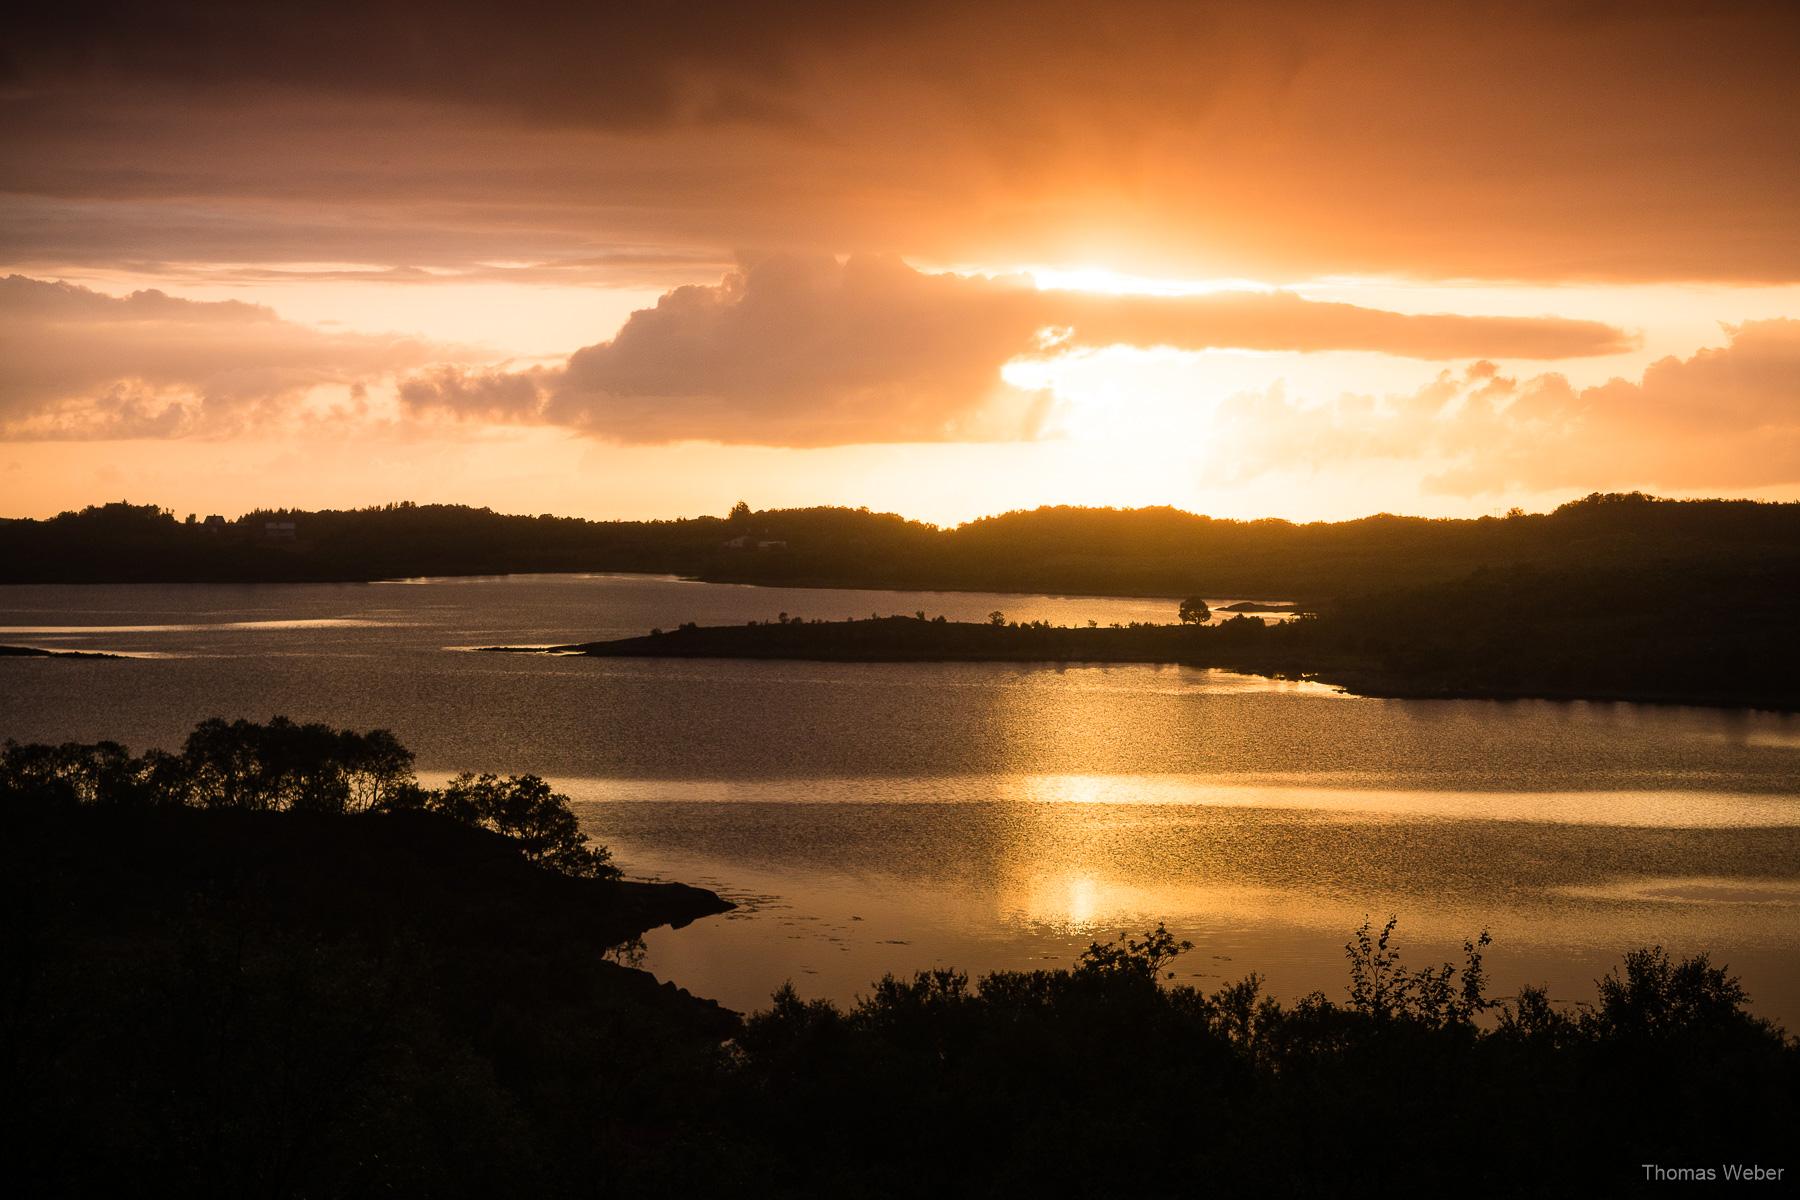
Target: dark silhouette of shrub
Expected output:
[1658,998]
[1146,957]
[999,1076]
[1382,990]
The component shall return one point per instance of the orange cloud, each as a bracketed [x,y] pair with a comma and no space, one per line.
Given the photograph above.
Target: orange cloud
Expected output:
[807,351]
[1724,418]
[486,395]
[78,364]
[1284,140]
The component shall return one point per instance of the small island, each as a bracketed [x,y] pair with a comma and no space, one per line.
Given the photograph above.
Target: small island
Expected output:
[1237,643]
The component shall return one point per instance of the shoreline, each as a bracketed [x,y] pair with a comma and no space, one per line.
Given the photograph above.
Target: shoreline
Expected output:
[1226,646]
[825,585]
[457,888]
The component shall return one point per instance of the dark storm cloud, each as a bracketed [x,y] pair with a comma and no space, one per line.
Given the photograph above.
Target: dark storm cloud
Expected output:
[1618,141]
[623,65]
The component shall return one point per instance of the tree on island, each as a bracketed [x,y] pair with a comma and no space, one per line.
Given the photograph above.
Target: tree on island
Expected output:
[1194,611]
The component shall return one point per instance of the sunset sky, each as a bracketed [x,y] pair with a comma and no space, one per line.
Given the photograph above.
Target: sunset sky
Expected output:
[1290,259]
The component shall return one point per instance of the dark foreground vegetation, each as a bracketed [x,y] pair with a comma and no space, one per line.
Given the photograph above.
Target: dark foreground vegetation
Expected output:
[1701,638]
[273,965]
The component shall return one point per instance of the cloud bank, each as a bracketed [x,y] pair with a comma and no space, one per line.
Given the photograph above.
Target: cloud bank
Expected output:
[808,351]
[79,364]
[1724,418]
[811,352]
[1626,141]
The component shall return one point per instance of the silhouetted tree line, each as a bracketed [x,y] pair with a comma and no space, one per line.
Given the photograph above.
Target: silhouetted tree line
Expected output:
[233,1000]
[1151,551]
[286,767]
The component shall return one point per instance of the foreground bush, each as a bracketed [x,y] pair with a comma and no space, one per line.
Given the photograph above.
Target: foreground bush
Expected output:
[1104,1080]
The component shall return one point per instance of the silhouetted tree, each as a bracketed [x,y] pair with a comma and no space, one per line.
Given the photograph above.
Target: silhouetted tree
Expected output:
[73,774]
[1194,611]
[302,768]
[1656,997]
[524,808]
[281,765]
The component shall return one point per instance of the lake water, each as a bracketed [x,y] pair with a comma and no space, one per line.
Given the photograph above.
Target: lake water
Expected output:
[875,817]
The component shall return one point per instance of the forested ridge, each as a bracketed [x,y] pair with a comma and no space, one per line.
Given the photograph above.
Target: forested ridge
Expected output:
[1152,551]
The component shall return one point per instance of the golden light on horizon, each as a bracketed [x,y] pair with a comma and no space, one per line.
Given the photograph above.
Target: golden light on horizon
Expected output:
[575,293]
[1120,283]
[652,596]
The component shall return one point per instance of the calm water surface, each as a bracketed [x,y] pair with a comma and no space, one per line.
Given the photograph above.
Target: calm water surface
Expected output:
[874,817]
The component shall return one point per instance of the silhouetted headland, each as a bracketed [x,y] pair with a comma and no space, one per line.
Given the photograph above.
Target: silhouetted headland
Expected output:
[40,652]
[1720,636]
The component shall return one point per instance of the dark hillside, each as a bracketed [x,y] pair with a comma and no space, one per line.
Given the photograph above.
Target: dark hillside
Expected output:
[296,1003]
[1154,552]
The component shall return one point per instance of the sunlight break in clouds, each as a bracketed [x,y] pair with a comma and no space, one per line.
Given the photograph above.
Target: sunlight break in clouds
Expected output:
[1234,256]
[1282,141]
[1724,418]
[813,352]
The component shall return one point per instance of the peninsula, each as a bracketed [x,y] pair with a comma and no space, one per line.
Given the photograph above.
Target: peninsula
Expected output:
[1712,635]
[40,652]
